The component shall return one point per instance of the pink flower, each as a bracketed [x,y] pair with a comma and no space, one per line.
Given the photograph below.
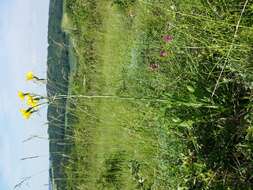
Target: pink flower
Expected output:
[163,53]
[167,38]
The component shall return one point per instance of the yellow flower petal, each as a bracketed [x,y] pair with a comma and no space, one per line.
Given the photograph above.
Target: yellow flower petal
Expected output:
[31,101]
[21,95]
[26,114]
[29,75]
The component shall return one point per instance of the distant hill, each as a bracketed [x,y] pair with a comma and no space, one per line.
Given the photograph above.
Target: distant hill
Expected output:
[57,74]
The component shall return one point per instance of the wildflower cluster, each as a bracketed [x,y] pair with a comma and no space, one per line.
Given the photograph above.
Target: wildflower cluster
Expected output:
[163,53]
[32,100]
[166,39]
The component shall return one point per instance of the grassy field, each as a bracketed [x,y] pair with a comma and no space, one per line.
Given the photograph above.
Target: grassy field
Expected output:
[160,94]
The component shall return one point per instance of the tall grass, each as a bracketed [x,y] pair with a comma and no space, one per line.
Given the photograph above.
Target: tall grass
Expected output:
[200,136]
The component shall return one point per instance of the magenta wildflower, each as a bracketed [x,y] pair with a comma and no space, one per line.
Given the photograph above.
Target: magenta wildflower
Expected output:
[163,53]
[167,38]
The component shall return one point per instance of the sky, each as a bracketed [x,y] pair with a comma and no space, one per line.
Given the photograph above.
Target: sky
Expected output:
[23,48]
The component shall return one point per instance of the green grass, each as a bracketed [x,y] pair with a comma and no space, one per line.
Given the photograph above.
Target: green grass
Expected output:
[186,124]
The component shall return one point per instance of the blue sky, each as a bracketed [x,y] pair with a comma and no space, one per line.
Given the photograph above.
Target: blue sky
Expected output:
[23,47]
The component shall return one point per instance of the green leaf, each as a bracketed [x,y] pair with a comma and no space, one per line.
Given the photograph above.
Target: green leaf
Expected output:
[190,88]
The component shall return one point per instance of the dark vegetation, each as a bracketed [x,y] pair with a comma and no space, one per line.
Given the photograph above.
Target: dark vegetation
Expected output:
[123,4]
[110,176]
[219,141]
[57,74]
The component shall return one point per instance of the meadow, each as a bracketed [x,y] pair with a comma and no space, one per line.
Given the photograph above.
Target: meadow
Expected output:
[159,95]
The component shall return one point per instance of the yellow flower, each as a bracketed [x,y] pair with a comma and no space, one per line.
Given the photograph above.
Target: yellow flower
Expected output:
[22,95]
[31,101]
[29,75]
[25,113]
